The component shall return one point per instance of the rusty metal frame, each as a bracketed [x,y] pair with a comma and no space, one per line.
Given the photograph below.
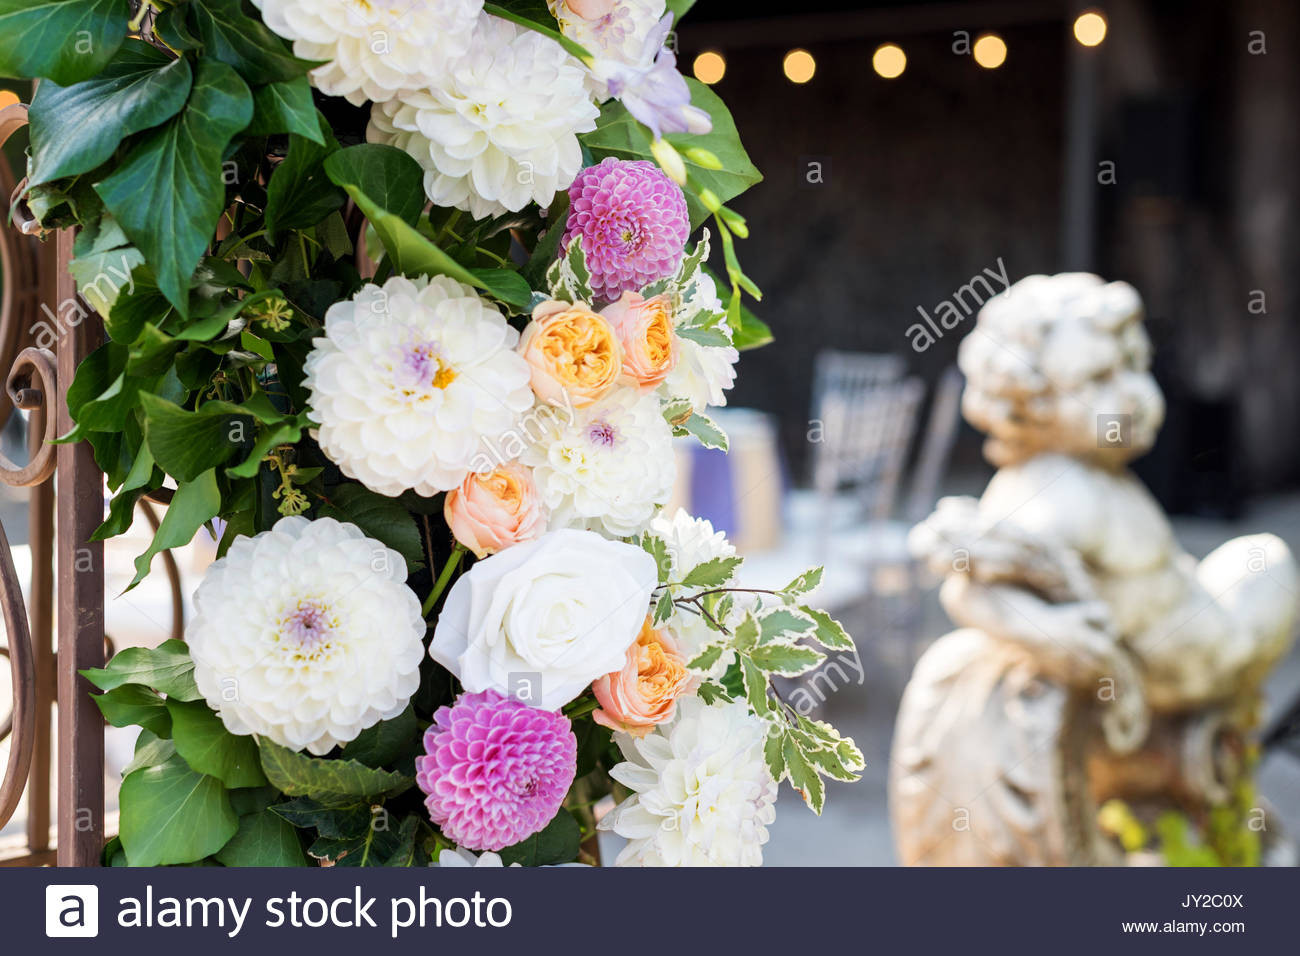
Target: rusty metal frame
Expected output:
[63,479]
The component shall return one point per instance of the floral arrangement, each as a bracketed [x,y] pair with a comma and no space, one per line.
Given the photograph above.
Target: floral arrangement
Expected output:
[402,305]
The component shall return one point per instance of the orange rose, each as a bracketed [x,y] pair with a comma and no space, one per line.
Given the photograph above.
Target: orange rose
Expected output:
[571,349]
[644,693]
[489,512]
[645,330]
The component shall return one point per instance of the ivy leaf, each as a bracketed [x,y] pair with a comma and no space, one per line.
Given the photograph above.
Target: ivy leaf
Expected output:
[619,134]
[133,704]
[299,194]
[557,842]
[208,747]
[167,668]
[168,192]
[194,503]
[171,814]
[788,660]
[388,176]
[380,517]
[185,444]
[328,782]
[76,128]
[62,40]
[830,633]
[334,823]
[246,44]
[385,742]
[263,839]
[803,777]
[712,573]
[285,107]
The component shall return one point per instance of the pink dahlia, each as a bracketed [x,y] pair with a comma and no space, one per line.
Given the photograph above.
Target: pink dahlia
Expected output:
[496,770]
[633,222]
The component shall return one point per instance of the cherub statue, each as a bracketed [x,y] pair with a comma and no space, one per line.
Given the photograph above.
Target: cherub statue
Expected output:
[1095,660]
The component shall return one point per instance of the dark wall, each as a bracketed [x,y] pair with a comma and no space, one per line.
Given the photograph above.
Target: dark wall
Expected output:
[931,178]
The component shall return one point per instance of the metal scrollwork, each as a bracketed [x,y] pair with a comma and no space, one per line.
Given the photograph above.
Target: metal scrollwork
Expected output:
[20,725]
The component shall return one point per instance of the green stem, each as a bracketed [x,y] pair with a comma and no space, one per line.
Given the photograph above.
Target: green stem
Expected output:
[581,708]
[444,579]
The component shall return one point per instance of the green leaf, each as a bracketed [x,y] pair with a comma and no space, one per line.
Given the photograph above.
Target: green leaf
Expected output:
[103,265]
[388,176]
[300,194]
[710,337]
[783,622]
[386,742]
[548,246]
[805,583]
[568,277]
[263,839]
[171,814]
[133,704]
[557,842]
[572,47]
[194,503]
[208,747]
[62,40]
[150,751]
[712,573]
[507,285]
[328,782]
[746,635]
[788,660]
[774,753]
[619,134]
[76,128]
[755,687]
[657,548]
[166,668]
[828,763]
[244,43]
[664,607]
[380,517]
[334,823]
[269,439]
[707,658]
[168,192]
[705,430]
[285,107]
[830,633]
[185,444]
[803,777]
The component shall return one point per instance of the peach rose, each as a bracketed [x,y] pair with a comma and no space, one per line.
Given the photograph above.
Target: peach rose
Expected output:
[571,349]
[489,512]
[645,330]
[644,693]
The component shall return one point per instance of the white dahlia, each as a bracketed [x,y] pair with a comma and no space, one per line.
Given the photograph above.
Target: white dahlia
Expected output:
[501,129]
[702,796]
[609,467]
[374,48]
[703,373]
[411,381]
[691,542]
[306,634]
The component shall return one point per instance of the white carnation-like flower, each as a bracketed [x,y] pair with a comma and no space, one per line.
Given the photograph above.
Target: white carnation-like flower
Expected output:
[411,381]
[374,48]
[306,634]
[614,32]
[702,796]
[501,129]
[703,373]
[609,467]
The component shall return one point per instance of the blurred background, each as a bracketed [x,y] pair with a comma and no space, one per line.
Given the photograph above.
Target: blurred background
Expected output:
[910,149]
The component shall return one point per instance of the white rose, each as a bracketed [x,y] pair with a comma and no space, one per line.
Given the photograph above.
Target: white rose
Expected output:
[566,607]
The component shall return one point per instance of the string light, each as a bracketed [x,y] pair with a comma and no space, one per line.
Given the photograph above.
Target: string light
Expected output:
[1090,28]
[799,66]
[709,67]
[990,51]
[889,61]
